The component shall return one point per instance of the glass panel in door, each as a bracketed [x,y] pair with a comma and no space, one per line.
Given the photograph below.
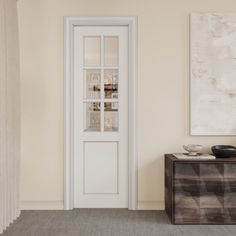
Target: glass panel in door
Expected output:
[92,51]
[111,55]
[111,83]
[92,84]
[111,116]
[101,81]
[92,119]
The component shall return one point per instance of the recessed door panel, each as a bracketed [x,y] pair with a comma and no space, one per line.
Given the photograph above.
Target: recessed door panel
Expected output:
[97,179]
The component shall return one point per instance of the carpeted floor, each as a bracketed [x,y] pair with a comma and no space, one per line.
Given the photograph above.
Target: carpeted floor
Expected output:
[107,222]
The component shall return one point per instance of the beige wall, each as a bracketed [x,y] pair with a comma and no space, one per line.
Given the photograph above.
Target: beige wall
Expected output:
[163,79]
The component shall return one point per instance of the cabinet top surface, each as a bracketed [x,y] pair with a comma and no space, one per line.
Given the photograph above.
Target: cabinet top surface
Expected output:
[174,159]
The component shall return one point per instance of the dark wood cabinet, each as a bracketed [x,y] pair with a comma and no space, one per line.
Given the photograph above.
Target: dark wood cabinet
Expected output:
[200,191]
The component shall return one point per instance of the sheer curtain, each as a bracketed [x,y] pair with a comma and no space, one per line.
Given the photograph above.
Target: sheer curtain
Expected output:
[9,114]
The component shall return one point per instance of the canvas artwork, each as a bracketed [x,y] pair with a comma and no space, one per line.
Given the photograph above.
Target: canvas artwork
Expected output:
[213,74]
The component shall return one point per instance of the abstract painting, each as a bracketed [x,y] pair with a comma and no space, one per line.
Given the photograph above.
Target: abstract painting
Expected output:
[213,74]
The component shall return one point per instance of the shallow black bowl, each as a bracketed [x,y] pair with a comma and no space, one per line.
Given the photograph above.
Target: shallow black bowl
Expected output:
[224,151]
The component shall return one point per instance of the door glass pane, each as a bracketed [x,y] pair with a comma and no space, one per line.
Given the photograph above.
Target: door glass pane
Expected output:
[92,51]
[111,116]
[92,84]
[92,116]
[111,51]
[111,83]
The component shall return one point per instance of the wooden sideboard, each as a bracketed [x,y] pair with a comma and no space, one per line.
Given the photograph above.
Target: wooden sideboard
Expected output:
[200,191]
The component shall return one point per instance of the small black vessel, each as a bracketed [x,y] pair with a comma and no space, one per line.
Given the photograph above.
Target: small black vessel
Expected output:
[224,151]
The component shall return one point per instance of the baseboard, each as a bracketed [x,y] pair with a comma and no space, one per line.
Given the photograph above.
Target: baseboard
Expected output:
[151,205]
[42,205]
[59,205]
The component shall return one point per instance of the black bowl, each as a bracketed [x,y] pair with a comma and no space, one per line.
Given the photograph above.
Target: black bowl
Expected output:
[224,151]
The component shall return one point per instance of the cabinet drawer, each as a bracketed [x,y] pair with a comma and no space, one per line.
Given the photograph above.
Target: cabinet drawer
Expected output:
[230,171]
[186,171]
[218,216]
[212,216]
[205,216]
[187,216]
[186,193]
[211,193]
[230,215]
[209,171]
[229,193]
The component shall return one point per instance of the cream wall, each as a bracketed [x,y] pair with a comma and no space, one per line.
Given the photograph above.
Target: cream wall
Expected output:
[163,34]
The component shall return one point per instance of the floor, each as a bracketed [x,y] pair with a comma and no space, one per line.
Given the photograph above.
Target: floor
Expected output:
[107,222]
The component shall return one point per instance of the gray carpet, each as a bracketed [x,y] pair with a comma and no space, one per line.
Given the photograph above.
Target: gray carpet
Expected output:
[107,222]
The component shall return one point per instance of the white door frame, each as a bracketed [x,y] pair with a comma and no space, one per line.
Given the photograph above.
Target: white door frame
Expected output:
[69,24]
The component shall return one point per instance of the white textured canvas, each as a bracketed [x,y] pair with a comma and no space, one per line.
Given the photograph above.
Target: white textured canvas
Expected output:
[213,74]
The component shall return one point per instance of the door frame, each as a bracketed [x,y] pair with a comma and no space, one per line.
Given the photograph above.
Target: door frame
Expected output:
[69,24]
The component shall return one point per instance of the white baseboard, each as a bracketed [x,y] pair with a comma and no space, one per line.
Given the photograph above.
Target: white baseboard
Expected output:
[59,205]
[42,205]
[151,205]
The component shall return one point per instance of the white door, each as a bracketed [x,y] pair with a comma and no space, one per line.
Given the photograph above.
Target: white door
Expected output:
[101,117]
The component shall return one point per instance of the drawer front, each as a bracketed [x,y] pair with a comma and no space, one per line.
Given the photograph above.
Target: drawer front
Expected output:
[212,216]
[186,170]
[205,216]
[187,193]
[211,193]
[229,193]
[218,216]
[230,215]
[187,216]
[230,171]
[212,170]
[186,201]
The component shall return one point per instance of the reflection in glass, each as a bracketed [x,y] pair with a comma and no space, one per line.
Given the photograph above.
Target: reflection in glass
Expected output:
[92,80]
[111,116]
[111,51]
[92,51]
[111,83]
[92,116]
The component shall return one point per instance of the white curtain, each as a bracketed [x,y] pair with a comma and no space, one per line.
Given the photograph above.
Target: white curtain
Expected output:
[9,114]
